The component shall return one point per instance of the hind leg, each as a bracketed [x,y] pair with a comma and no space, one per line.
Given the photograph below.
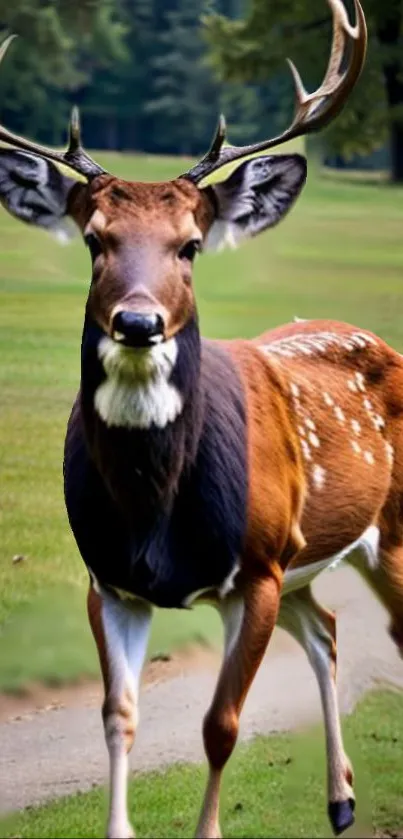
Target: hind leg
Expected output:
[315,629]
[385,578]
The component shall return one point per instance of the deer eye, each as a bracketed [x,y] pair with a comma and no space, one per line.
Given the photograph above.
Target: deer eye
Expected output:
[93,244]
[190,250]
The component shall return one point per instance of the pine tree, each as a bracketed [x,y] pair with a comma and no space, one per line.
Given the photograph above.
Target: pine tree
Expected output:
[60,43]
[255,49]
[185,96]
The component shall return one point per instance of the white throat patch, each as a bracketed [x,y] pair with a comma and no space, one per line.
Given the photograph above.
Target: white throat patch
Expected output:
[136,392]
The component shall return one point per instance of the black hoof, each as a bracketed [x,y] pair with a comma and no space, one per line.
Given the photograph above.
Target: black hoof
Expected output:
[341,815]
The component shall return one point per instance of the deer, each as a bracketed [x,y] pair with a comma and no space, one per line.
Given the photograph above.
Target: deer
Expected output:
[230,472]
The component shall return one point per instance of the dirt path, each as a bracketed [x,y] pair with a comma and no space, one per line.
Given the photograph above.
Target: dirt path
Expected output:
[58,750]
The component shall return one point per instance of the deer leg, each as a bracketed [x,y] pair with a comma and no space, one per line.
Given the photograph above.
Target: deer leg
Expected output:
[249,618]
[121,634]
[386,580]
[315,629]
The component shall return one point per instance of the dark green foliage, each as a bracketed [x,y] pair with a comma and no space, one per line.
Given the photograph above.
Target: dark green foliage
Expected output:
[140,71]
[60,46]
[184,95]
[255,48]
[153,75]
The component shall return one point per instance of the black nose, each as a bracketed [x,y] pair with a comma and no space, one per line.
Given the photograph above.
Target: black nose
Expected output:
[137,330]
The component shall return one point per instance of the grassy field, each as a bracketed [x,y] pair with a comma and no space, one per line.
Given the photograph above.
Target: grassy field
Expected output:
[339,254]
[274,787]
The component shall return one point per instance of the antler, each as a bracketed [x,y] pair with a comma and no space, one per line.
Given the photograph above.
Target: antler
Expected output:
[74,157]
[312,110]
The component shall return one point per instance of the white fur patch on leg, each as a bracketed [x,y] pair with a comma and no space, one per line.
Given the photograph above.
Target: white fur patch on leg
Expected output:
[126,631]
[137,392]
[303,620]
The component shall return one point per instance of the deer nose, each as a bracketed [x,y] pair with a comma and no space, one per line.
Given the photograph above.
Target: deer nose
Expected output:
[137,330]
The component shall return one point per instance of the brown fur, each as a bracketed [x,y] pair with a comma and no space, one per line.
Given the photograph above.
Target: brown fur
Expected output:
[307,415]
[94,607]
[337,515]
[276,477]
[145,226]
[239,668]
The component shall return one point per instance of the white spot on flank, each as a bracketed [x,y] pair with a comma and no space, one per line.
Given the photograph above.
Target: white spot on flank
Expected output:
[355,446]
[368,456]
[328,399]
[359,341]
[366,339]
[352,385]
[367,404]
[301,431]
[360,382]
[378,421]
[389,452]
[317,342]
[314,440]
[295,390]
[310,424]
[318,474]
[306,450]
[137,392]
[355,425]
[339,413]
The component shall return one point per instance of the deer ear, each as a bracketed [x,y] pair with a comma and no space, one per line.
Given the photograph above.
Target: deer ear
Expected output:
[35,191]
[256,196]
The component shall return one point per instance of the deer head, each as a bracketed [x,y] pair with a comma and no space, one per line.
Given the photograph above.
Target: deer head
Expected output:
[143,238]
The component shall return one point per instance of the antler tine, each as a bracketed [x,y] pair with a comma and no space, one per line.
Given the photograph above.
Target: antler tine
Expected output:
[5,45]
[74,131]
[211,160]
[313,110]
[219,138]
[336,85]
[74,157]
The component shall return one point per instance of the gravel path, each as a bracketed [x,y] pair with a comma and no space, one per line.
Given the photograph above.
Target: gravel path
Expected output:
[57,751]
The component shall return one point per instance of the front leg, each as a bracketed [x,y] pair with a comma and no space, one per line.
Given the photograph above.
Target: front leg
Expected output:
[249,618]
[121,632]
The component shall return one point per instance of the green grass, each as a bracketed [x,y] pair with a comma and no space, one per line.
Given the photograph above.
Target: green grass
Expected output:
[273,787]
[339,254]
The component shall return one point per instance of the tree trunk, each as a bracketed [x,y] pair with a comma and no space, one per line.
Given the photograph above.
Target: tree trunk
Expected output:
[388,32]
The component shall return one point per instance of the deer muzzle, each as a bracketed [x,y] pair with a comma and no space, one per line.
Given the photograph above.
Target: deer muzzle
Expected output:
[137,329]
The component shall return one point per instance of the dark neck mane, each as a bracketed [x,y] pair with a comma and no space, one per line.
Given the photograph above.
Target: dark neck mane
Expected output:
[143,468]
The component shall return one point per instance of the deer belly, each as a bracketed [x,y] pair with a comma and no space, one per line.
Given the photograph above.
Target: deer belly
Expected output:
[173,586]
[367,545]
